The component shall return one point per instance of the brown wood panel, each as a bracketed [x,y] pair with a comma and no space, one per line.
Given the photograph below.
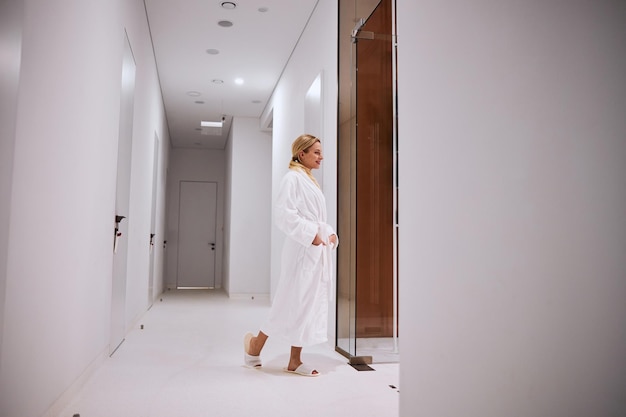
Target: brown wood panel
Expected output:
[374,183]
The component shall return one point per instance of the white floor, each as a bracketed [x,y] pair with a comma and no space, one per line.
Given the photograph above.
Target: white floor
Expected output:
[187,361]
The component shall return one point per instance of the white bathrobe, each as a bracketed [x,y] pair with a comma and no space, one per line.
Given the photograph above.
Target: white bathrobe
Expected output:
[300,308]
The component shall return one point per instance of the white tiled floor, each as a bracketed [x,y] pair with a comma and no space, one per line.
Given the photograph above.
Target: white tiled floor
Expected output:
[187,361]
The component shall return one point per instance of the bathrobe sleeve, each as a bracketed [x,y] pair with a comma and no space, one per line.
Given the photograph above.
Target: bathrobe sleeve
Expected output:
[291,214]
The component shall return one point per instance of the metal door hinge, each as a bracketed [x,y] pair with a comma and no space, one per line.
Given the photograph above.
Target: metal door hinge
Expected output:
[357,33]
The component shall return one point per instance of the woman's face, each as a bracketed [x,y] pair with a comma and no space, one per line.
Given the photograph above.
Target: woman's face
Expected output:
[312,158]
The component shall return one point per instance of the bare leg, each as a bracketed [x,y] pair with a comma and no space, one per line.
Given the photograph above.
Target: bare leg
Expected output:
[257,343]
[294,359]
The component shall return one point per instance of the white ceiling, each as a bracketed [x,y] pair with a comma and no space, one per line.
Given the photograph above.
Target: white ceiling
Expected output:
[255,48]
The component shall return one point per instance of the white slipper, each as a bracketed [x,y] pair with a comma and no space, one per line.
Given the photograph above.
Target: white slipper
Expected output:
[304,370]
[249,360]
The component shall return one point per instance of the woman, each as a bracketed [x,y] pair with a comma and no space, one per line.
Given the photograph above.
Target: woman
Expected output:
[300,308]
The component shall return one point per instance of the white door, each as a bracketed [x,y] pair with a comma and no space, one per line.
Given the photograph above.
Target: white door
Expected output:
[122,202]
[153,236]
[196,235]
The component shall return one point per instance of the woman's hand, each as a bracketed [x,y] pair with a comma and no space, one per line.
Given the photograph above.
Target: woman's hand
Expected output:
[332,239]
[318,241]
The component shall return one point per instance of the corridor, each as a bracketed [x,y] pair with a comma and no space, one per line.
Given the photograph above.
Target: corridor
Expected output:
[187,361]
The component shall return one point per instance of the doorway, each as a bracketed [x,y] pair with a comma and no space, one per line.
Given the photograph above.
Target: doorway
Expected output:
[197,234]
[367,319]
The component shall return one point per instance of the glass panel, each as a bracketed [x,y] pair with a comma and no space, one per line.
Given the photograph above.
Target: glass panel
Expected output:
[367,290]
[346,279]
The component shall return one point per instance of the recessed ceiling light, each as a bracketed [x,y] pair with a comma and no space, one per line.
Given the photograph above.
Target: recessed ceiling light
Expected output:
[263,9]
[238,81]
[193,93]
[211,124]
[256,101]
[199,102]
[225,23]
[212,51]
[217,81]
[229,5]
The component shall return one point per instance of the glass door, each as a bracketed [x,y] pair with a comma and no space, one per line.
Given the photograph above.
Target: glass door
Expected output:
[367,320]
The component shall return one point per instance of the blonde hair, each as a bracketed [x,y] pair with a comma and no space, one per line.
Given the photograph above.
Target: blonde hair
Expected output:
[302,144]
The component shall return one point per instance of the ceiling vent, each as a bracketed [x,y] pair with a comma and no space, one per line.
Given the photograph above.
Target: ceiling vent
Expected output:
[212,128]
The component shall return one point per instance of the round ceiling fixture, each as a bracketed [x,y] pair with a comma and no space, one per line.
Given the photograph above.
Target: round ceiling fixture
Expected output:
[193,93]
[263,9]
[212,51]
[229,5]
[225,23]
[217,81]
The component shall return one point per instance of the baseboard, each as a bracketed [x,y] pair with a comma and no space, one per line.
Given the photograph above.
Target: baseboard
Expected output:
[170,287]
[247,296]
[64,400]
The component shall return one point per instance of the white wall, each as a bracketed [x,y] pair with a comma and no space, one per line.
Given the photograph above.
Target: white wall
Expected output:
[249,213]
[194,165]
[512,200]
[59,254]
[315,53]
[148,120]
